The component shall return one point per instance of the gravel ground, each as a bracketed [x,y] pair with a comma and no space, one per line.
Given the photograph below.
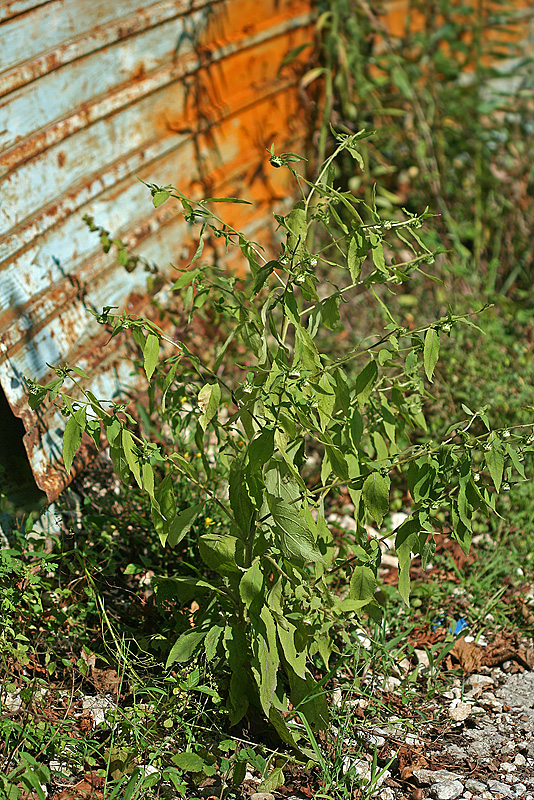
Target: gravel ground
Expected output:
[486,751]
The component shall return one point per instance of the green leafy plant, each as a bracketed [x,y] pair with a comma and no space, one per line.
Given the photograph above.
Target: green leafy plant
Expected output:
[240,424]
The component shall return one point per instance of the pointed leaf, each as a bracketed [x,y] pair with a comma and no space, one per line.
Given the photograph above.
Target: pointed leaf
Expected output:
[362,584]
[431,352]
[72,439]
[160,197]
[365,382]
[130,453]
[495,462]
[189,762]
[181,524]
[221,553]
[262,275]
[375,493]
[251,586]
[261,448]
[184,647]
[295,538]
[151,354]
[208,399]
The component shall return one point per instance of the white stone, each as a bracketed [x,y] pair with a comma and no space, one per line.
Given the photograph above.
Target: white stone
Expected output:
[98,706]
[446,790]
[387,793]
[422,658]
[149,769]
[475,786]
[520,760]
[460,712]
[428,777]
[497,787]
[507,767]
[477,683]
[391,683]
[11,701]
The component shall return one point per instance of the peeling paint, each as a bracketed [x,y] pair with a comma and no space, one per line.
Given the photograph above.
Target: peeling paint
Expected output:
[180,91]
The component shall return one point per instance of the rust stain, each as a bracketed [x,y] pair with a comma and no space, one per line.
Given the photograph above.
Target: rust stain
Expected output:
[236,106]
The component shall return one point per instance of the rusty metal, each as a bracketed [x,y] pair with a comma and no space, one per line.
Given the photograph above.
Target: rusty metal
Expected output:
[92,97]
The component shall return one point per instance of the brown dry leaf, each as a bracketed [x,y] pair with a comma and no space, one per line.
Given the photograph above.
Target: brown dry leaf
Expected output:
[88,789]
[411,758]
[469,654]
[526,612]
[505,647]
[105,680]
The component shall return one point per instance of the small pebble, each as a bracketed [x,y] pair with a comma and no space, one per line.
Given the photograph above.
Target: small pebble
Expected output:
[497,787]
[262,796]
[460,712]
[475,786]
[446,790]
[520,760]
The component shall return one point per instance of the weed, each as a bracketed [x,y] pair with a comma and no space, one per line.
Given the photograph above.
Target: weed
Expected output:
[239,434]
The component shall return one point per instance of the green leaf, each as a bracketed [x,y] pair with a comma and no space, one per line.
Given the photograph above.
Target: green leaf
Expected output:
[184,647]
[163,508]
[275,779]
[290,56]
[211,641]
[148,478]
[362,584]
[221,553]
[265,657]
[375,493]
[261,448]
[262,275]
[365,382]
[330,311]
[355,428]
[295,658]
[151,354]
[189,762]
[226,200]
[187,277]
[181,524]
[131,456]
[295,538]
[494,459]
[406,541]
[431,352]
[240,501]
[297,227]
[120,465]
[309,700]
[378,252]
[72,439]
[160,197]
[337,461]
[356,254]
[208,399]
[251,586]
